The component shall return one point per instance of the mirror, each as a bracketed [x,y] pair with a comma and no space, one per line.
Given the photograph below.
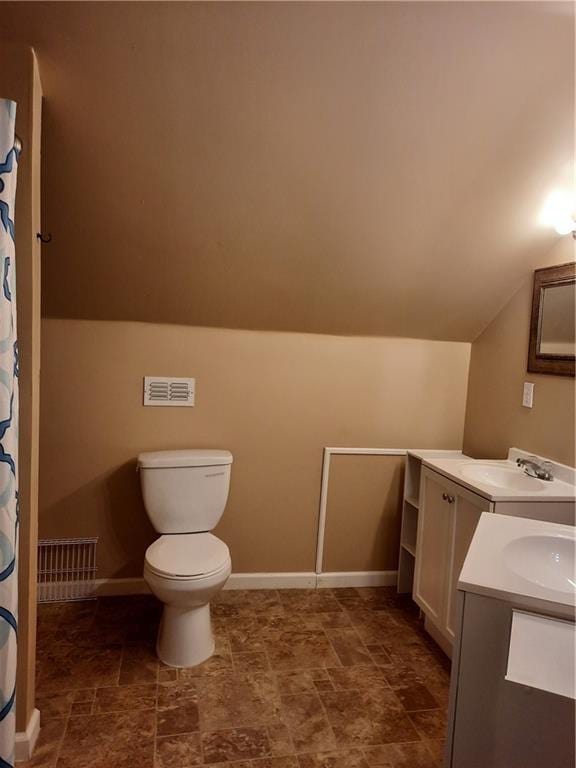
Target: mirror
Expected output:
[553,327]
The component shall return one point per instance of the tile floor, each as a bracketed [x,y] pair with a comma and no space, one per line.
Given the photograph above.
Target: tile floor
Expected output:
[340,678]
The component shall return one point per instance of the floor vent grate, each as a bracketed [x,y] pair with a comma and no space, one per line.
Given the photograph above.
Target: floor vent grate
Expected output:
[66,569]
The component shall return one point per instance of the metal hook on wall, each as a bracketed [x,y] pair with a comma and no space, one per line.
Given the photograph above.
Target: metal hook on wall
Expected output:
[44,238]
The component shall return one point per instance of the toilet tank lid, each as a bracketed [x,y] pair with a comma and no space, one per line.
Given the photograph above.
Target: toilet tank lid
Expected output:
[192,457]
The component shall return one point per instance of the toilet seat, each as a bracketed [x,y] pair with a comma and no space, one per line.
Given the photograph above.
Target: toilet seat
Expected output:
[187,556]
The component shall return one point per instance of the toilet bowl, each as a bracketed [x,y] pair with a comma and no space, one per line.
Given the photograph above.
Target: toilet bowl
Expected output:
[185,636]
[185,493]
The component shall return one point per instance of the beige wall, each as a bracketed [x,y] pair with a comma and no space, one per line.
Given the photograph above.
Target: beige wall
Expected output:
[19,80]
[495,418]
[363,513]
[332,167]
[275,400]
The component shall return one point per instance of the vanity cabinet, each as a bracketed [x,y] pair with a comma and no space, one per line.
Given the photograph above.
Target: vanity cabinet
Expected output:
[448,515]
[439,518]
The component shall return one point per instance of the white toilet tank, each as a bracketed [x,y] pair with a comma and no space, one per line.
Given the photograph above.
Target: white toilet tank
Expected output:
[185,491]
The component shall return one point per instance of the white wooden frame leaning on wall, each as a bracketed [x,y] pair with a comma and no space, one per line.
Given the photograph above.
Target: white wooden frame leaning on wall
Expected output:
[347,578]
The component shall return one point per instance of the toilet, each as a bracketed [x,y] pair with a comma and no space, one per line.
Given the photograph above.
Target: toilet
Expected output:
[185,493]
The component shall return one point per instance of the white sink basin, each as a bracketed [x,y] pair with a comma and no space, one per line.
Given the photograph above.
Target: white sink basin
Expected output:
[546,560]
[501,476]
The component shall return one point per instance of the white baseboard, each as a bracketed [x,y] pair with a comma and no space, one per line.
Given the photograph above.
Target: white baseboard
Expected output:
[357,579]
[26,740]
[289,580]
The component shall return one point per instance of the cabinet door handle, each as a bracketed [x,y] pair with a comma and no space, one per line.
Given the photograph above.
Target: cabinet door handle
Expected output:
[445,496]
[451,499]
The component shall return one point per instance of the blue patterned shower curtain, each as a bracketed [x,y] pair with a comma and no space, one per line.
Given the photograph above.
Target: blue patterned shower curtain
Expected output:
[8,435]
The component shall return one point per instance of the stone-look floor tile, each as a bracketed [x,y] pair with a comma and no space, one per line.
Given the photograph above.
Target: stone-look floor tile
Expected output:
[298,681]
[229,701]
[367,717]
[309,601]
[399,674]
[440,691]
[357,678]
[167,675]
[436,748]
[334,620]
[48,745]
[307,722]
[346,758]
[373,627]
[303,649]
[238,603]
[178,718]
[55,705]
[323,685]
[235,744]
[75,614]
[74,668]
[262,762]
[415,755]
[272,627]
[250,662]
[215,665]
[234,764]
[349,647]
[280,739]
[139,665]
[178,751]
[335,712]
[86,694]
[121,739]
[415,697]
[81,708]
[172,693]
[98,634]
[244,634]
[430,724]
[125,698]
[128,609]
[379,598]
[139,634]
[221,643]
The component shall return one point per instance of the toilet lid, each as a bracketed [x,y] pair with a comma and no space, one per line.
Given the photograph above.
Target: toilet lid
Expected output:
[187,555]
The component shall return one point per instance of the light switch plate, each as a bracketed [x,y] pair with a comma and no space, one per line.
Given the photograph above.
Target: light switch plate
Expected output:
[528,395]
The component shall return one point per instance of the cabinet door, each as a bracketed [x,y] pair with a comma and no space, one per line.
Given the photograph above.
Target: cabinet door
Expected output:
[432,547]
[465,514]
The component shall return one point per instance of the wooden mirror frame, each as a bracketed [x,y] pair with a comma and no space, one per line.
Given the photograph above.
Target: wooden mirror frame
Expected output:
[559,365]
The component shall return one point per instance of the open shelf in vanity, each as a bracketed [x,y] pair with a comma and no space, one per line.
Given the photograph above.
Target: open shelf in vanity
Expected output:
[410,509]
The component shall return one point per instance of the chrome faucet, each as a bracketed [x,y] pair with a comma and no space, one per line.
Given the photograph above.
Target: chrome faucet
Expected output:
[533,468]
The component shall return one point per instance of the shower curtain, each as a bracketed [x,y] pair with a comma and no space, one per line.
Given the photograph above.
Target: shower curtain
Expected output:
[8,436]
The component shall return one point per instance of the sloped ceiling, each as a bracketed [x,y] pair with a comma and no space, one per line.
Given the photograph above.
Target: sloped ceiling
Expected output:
[350,168]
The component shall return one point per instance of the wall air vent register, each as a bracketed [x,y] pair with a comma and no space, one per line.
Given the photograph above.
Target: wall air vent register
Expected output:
[165,390]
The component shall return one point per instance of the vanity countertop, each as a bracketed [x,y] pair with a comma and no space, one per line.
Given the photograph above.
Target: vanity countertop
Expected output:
[516,559]
[503,480]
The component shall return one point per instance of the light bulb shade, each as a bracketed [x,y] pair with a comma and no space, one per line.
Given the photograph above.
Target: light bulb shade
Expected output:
[559,211]
[565,227]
